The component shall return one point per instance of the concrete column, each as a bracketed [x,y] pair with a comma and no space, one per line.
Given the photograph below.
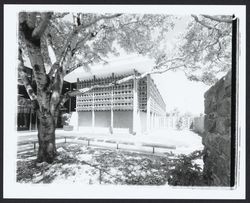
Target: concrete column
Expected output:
[156,123]
[77,112]
[154,117]
[111,109]
[148,105]
[135,106]
[148,114]
[111,120]
[93,108]
[93,118]
[77,120]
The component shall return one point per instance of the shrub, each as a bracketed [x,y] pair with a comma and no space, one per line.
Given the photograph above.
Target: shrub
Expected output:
[179,124]
[186,172]
[66,119]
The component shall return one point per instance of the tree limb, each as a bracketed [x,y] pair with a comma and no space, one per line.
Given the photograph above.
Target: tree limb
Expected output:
[66,47]
[220,20]
[24,77]
[22,17]
[34,52]
[51,48]
[31,19]
[164,62]
[39,30]
[157,71]
[202,23]
[81,42]
[73,68]
[56,90]
[59,15]
[53,69]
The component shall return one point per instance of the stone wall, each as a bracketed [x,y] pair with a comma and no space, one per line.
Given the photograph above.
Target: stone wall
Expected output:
[217,135]
[198,125]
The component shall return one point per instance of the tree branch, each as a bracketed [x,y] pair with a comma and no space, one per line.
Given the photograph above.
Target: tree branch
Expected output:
[73,68]
[39,30]
[66,47]
[164,62]
[34,51]
[220,20]
[56,90]
[24,77]
[51,49]
[81,42]
[59,15]
[84,26]
[158,71]
[53,69]
[202,23]
[31,19]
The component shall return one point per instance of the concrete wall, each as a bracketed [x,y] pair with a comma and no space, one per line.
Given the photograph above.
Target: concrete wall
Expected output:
[217,135]
[74,120]
[123,119]
[102,119]
[143,120]
[85,118]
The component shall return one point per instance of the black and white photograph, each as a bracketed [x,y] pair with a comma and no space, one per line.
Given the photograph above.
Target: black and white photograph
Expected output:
[124,101]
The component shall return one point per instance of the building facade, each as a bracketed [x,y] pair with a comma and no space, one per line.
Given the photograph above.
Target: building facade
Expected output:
[133,107]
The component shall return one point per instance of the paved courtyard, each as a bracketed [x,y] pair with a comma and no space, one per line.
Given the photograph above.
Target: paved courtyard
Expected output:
[164,140]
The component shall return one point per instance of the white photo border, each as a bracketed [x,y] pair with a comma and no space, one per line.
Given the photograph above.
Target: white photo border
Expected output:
[12,189]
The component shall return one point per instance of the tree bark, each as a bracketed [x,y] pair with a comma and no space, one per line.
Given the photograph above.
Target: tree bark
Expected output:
[46,138]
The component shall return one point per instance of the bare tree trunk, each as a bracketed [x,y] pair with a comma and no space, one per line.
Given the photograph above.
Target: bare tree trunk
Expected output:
[46,138]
